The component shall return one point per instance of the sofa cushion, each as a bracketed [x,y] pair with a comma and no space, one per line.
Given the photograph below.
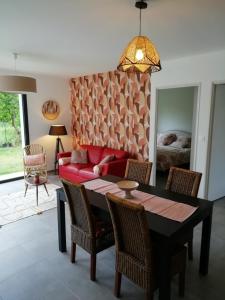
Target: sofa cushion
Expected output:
[64,161]
[107,159]
[119,154]
[94,153]
[75,168]
[98,168]
[79,156]
[70,176]
[87,173]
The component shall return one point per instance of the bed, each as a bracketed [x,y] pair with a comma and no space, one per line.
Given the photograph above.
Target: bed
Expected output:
[173,149]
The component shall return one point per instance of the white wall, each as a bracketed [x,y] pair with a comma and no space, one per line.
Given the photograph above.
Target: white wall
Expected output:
[175,109]
[216,188]
[49,88]
[199,70]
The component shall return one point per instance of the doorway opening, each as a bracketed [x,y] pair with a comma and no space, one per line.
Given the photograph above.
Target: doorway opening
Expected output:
[175,130]
[14,135]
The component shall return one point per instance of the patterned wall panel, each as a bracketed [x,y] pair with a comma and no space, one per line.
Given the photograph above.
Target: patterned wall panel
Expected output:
[112,109]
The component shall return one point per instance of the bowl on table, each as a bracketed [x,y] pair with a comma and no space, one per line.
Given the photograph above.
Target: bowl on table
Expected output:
[128,186]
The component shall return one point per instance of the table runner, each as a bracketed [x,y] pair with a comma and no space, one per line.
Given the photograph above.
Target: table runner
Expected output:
[164,207]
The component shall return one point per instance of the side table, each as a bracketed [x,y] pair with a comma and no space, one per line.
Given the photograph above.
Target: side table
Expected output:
[30,181]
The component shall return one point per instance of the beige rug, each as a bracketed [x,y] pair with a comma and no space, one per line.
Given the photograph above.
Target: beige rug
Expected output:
[15,206]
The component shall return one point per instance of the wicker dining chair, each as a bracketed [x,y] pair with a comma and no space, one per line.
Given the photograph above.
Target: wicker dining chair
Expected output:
[185,182]
[136,257]
[138,170]
[90,233]
[30,151]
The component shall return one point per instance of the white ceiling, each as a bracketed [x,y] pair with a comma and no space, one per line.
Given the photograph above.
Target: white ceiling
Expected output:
[72,37]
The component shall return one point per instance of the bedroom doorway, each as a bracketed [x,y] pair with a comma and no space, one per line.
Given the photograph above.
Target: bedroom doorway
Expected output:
[175,130]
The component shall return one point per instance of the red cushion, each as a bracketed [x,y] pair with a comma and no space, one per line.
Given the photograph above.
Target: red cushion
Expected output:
[119,154]
[88,173]
[63,154]
[71,177]
[75,168]
[94,153]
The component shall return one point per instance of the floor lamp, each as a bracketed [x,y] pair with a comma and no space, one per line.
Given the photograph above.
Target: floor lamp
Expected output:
[57,130]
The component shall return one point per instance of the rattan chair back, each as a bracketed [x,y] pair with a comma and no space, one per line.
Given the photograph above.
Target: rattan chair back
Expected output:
[130,229]
[33,149]
[80,210]
[32,170]
[134,251]
[138,170]
[183,181]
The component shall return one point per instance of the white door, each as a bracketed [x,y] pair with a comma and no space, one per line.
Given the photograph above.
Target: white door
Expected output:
[216,186]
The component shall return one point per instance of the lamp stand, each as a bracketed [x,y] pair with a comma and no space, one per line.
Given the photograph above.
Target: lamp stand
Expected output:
[57,150]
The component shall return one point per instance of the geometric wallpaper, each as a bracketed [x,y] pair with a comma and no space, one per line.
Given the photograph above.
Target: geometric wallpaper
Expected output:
[112,109]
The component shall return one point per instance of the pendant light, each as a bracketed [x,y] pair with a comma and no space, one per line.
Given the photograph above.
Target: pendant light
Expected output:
[140,55]
[17,84]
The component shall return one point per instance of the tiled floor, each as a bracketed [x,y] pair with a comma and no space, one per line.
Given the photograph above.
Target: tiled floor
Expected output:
[32,268]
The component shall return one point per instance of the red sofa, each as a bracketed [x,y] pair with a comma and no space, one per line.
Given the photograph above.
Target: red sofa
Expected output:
[76,172]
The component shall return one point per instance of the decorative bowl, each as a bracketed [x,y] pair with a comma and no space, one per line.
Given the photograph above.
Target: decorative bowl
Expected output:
[128,186]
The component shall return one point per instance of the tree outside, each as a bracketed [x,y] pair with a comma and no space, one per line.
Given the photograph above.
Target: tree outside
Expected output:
[10,134]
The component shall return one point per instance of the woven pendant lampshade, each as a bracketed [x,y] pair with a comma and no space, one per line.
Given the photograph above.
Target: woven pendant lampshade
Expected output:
[140,55]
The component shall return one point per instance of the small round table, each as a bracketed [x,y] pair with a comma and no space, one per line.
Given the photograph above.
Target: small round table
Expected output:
[30,181]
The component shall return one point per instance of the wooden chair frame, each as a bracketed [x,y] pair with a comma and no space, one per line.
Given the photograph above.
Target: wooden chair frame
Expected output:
[83,229]
[135,257]
[138,170]
[185,182]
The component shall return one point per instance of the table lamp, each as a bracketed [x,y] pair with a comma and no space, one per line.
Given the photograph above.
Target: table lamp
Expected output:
[57,130]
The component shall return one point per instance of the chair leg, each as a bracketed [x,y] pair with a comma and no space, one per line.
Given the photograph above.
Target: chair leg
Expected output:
[149,295]
[118,277]
[93,267]
[181,283]
[190,250]
[73,252]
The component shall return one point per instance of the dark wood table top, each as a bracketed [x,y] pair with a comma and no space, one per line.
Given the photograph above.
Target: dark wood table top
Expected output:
[158,224]
[166,233]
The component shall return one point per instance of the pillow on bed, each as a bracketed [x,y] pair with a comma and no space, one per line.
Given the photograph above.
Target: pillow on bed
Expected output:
[165,139]
[169,139]
[182,142]
[160,137]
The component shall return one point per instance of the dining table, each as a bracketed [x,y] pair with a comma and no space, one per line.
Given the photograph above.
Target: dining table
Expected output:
[165,233]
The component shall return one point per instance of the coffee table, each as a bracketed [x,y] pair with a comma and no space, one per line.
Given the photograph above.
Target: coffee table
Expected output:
[30,181]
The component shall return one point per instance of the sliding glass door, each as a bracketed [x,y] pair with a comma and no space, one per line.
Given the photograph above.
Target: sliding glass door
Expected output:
[13,135]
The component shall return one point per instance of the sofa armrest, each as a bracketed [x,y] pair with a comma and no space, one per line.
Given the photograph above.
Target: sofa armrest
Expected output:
[63,154]
[115,167]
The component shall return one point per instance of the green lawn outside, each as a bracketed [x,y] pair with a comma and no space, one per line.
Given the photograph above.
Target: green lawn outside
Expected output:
[11,160]
[8,135]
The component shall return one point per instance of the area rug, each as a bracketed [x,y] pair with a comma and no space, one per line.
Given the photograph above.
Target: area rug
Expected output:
[15,206]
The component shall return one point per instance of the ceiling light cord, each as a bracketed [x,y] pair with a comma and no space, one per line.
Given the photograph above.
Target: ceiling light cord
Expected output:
[140,23]
[15,55]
